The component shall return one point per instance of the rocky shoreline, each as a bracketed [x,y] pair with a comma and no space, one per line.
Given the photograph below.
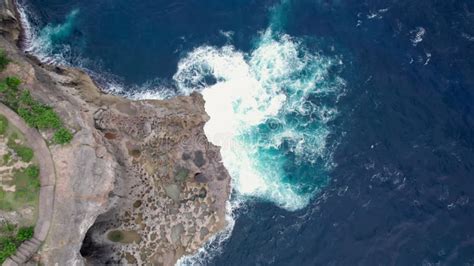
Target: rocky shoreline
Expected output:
[140,183]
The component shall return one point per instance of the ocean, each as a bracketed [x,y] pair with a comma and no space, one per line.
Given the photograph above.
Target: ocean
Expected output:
[347,126]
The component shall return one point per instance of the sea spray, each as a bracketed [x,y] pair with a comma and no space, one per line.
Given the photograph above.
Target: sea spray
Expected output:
[269,112]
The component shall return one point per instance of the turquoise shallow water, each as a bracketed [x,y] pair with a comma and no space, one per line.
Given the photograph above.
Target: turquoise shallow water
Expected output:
[347,125]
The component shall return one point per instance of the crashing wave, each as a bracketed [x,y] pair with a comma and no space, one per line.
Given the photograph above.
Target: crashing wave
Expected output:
[268,113]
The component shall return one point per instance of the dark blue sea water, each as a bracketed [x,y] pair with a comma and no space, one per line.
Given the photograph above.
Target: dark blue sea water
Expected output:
[347,126]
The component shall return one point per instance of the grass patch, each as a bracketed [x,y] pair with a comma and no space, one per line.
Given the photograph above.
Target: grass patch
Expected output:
[7,248]
[32,171]
[26,154]
[3,125]
[7,228]
[26,193]
[11,238]
[6,200]
[35,114]
[6,158]
[25,179]
[27,188]
[62,136]
[25,233]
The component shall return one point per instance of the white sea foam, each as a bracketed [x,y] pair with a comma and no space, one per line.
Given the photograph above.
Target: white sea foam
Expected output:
[418,35]
[250,90]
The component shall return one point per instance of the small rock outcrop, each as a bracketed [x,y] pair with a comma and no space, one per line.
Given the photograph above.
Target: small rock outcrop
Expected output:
[9,23]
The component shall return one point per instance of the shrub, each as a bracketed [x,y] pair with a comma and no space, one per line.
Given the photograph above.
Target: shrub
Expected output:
[25,153]
[4,61]
[32,171]
[13,82]
[35,114]
[10,242]
[3,87]
[62,136]
[35,183]
[3,124]
[25,233]
[8,248]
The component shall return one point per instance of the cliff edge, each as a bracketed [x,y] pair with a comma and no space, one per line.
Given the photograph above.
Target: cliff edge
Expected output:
[139,183]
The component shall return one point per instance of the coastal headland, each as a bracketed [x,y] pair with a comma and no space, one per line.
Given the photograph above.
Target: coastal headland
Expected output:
[139,182]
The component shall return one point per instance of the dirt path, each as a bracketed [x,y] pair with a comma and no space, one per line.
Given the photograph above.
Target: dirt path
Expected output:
[46,195]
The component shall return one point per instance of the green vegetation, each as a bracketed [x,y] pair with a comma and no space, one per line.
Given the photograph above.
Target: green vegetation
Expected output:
[27,187]
[6,158]
[7,248]
[11,238]
[32,171]
[7,228]
[26,193]
[4,61]
[6,201]
[3,125]
[35,114]
[20,182]
[25,233]
[14,135]
[62,136]
[25,153]
[23,187]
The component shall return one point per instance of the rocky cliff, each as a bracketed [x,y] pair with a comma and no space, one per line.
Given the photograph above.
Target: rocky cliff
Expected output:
[139,182]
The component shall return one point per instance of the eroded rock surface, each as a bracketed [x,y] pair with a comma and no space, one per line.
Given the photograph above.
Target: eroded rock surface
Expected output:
[159,198]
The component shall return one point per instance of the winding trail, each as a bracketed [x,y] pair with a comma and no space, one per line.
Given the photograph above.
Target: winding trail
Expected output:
[46,195]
